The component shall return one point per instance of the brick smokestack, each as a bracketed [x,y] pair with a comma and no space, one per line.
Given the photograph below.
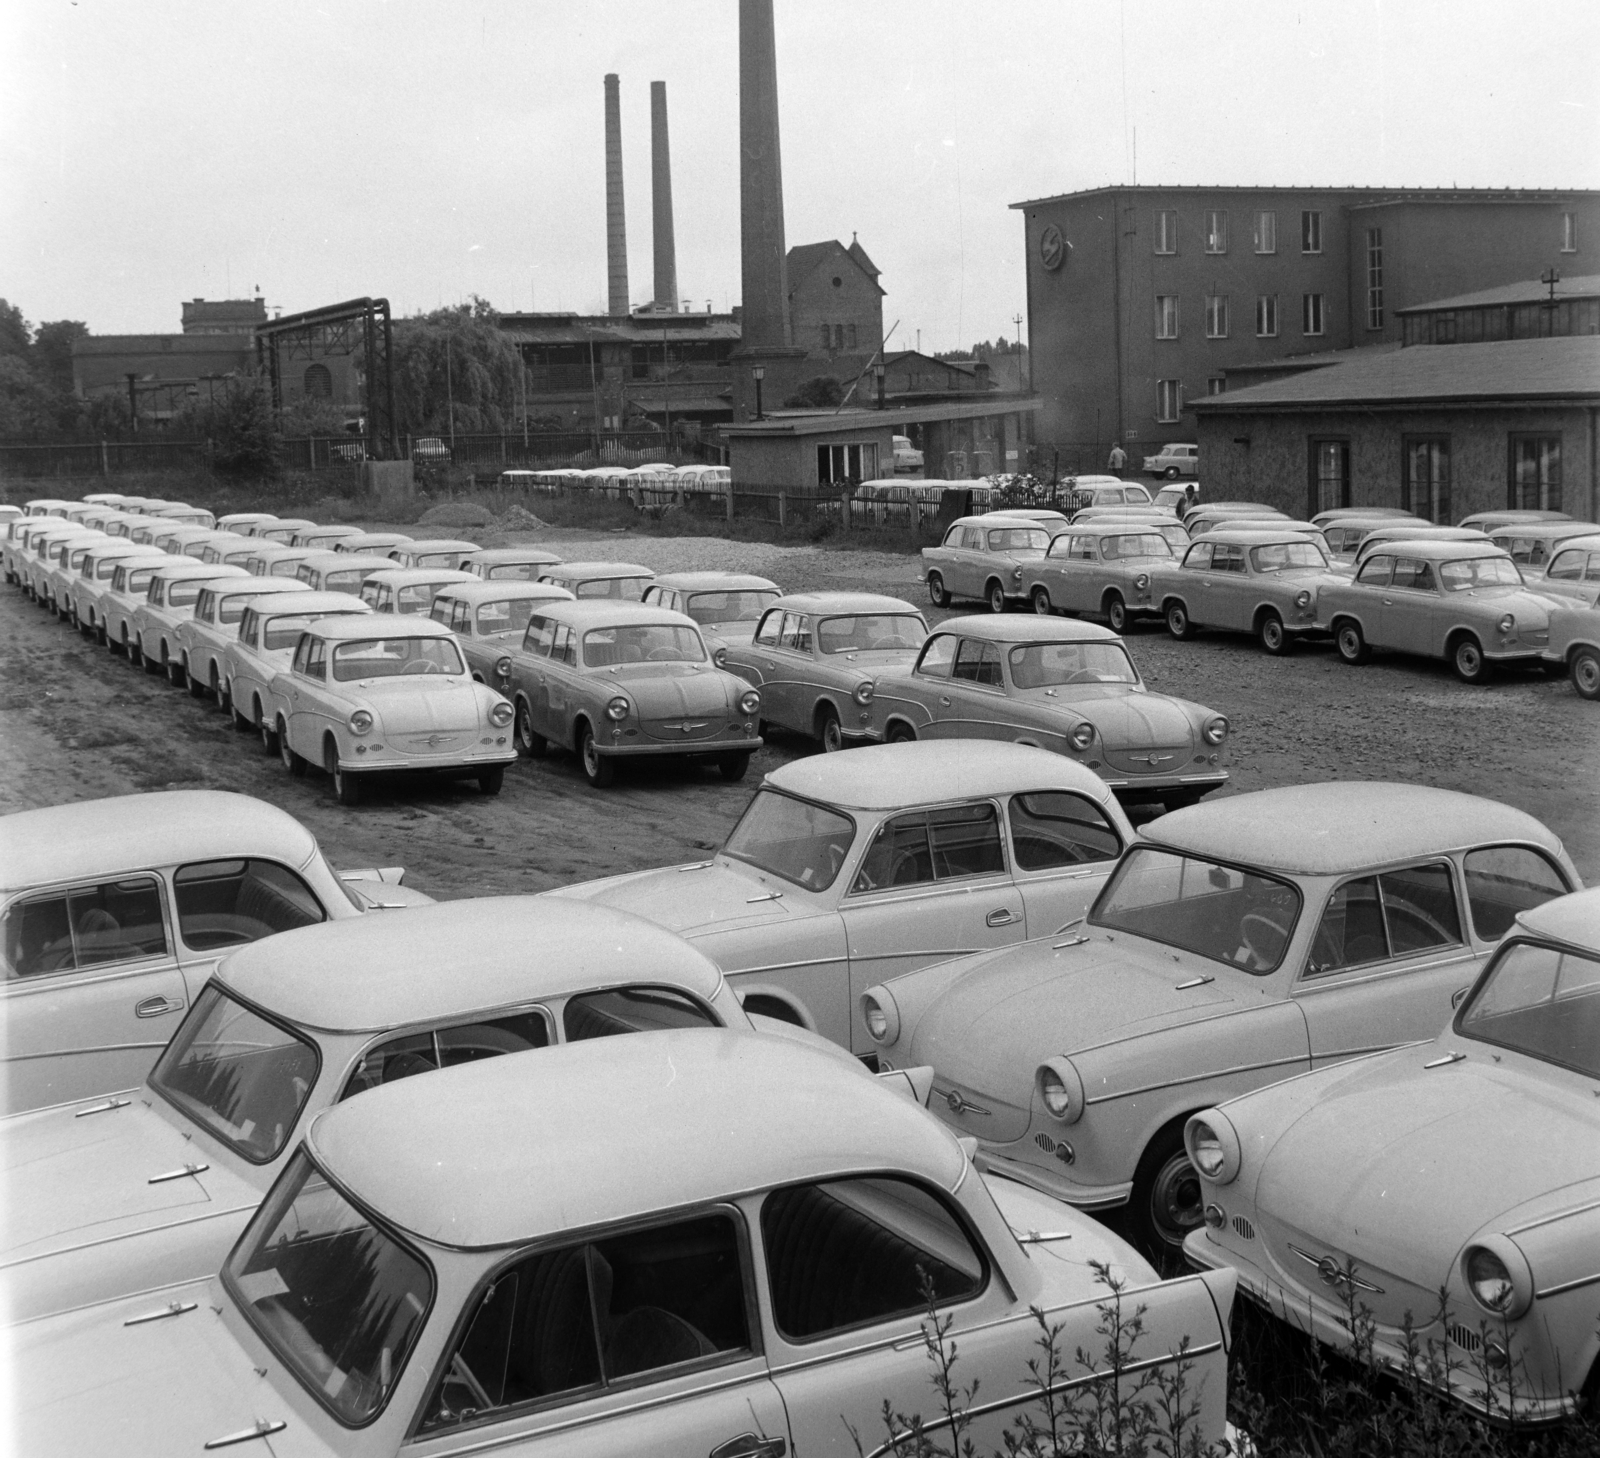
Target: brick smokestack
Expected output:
[666,252]
[764,271]
[616,224]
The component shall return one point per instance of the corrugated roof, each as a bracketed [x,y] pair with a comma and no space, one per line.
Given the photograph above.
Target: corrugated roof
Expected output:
[1526,291]
[1361,192]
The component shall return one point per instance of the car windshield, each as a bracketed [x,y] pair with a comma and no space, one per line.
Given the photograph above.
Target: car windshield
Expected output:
[1045,665]
[1019,539]
[389,657]
[337,1297]
[237,1075]
[867,631]
[800,841]
[729,607]
[642,643]
[1275,556]
[1543,1001]
[510,616]
[1141,544]
[1240,917]
[1473,572]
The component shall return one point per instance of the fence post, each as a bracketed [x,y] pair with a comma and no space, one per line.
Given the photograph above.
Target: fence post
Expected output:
[730,500]
[844,510]
[105,458]
[783,508]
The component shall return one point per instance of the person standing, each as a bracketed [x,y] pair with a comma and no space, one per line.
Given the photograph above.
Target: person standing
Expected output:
[1119,459]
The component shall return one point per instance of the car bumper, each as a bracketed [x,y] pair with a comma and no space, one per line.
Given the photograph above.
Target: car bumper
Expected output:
[659,748]
[387,761]
[1080,1196]
[1153,785]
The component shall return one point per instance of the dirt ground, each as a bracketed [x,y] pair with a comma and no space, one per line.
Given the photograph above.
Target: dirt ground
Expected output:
[77,723]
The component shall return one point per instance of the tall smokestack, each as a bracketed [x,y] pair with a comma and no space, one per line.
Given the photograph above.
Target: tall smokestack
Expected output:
[616,224]
[765,270]
[666,253]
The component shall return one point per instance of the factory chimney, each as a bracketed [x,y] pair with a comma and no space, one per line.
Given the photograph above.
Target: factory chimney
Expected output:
[616,224]
[764,315]
[666,253]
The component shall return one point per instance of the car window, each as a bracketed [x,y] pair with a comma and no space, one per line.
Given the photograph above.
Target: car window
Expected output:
[316,658]
[231,609]
[1413,574]
[767,633]
[727,607]
[972,539]
[1053,828]
[1198,557]
[796,632]
[1141,544]
[1227,557]
[282,633]
[1567,567]
[249,626]
[397,1058]
[205,607]
[564,646]
[540,635]
[938,656]
[978,662]
[574,1321]
[1081,548]
[1505,879]
[1542,1001]
[953,537]
[865,632]
[115,921]
[1376,571]
[507,616]
[461,618]
[181,594]
[388,657]
[523,572]
[617,1010]
[1591,573]
[847,1253]
[439,610]
[369,593]
[227,903]
[411,601]
[1378,918]
[939,845]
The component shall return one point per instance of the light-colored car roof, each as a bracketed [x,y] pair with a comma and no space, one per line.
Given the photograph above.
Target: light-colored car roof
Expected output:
[715,582]
[842,602]
[381,625]
[1574,919]
[264,587]
[617,1128]
[1017,628]
[543,555]
[476,590]
[331,529]
[134,832]
[1257,533]
[1431,549]
[344,561]
[931,771]
[995,519]
[440,544]
[421,963]
[1552,531]
[320,602]
[1121,526]
[611,612]
[412,576]
[599,569]
[1340,826]
[186,568]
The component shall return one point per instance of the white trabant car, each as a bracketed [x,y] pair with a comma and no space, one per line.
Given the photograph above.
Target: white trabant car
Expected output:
[1176,458]
[434,552]
[379,695]
[623,580]
[1534,545]
[282,530]
[1573,571]
[514,564]
[205,635]
[232,547]
[330,571]
[984,557]
[245,522]
[113,915]
[490,620]
[1236,943]
[181,511]
[262,648]
[1095,567]
[127,592]
[408,590]
[40,557]
[290,1026]
[373,544]
[209,547]
[447,1265]
[91,597]
[847,869]
[275,559]
[1453,1184]
[1492,521]
[169,598]
[727,605]
[61,569]
[321,537]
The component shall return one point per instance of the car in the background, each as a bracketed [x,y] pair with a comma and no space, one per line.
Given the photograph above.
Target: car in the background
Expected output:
[433,552]
[511,564]
[1176,458]
[206,633]
[1399,533]
[1224,513]
[61,569]
[182,511]
[1340,513]
[282,530]
[380,694]
[94,578]
[430,448]
[1492,521]
[1098,567]
[814,657]
[373,544]
[1451,1188]
[331,571]
[1236,943]
[1050,518]
[167,535]
[322,538]
[624,581]
[169,598]
[619,680]
[48,506]
[727,605]
[407,590]
[907,457]
[112,914]
[1533,545]
[19,537]
[1573,571]
[245,522]
[1575,646]
[1178,499]
[277,559]
[230,547]
[1463,602]
[34,563]
[1079,493]
[984,557]
[1245,580]
[848,869]
[1146,519]
[262,649]
[120,594]
[1344,534]
[490,619]
[215,541]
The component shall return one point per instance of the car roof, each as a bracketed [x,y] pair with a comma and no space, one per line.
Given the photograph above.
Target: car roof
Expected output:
[1339,826]
[320,560]
[1405,530]
[1574,919]
[323,602]
[421,963]
[600,569]
[317,529]
[611,612]
[1591,538]
[264,586]
[409,576]
[279,551]
[618,1128]
[1020,628]
[1255,535]
[476,590]
[1433,549]
[996,519]
[440,544]
[842,602]
[375,625]
[526,554]
[134,832]
[186,567]
[716,581]
[400,539]
[1554,531]
[1114,526]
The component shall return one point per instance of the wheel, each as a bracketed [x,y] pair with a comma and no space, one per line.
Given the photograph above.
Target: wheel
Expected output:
[732,767]
[529,745]
[1167,1201]
[1116,612]
[198,687]
[1466,657]
[130,648]
[995,596]
[346,787]
[936,593]
[1273,637]
[1586,673]
[1178,621]
[599,769]
[151,665]
[219,690]
[829,731]
[901,733]
[1171,473]
[291,761]
[1352,646]
[1041,602]
[490,780]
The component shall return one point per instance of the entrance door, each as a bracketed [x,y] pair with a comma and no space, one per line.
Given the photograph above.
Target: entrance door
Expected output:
[1330,476]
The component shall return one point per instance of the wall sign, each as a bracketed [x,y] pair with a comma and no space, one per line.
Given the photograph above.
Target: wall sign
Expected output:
[1052,248]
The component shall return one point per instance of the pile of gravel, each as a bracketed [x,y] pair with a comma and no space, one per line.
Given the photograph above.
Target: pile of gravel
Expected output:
[458,514]
[519,519]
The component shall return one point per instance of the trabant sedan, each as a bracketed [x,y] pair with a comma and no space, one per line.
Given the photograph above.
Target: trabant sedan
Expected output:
[1203,519]
[232,548]
[34,562]
[1401,532]
[1098,567]
[1345,534]
[125,594]
[383,694]
[1068,687]
[1339,513]
[984,557]
[1574,646]
[166,535]
[321,537]
[19,536]
[289,1026]
[1246,580]
[1492,521]
[182,511]
[1236,943]
[1532,546]
[372,544]
[330,571]
[276,559]
[91,596]
[1574,570]
[444,1264]
[268,633]
[847,869]
[212,542]
[625,581]
[1084,491]
[407,590]
[1465,603]
[281,531]
[204,636]
[59,572]
[1468,1165]
[113,915]
[618,680]
[1163,523]
[814,657]
[727,605]
[48,506]
[434,552]
[515,564]
[245,522]
[490,619]
[1176,458]
[170,597]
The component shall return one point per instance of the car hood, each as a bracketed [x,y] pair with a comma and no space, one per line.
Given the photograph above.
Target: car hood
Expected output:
[690,900]
[1515,600]
[660,691]
[1125,717]
[415,703]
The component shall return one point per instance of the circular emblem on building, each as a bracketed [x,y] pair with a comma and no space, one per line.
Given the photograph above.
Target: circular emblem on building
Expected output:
[1052,248]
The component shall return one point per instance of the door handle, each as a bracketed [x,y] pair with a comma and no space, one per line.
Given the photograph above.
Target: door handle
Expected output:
[1388,602]
[1460,993]
[748,1445]
[154,1007]
[1002,917]
[943,700]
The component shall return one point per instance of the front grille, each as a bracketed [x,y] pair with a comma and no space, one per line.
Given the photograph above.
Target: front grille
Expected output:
[1169,760]
[437,742]
[1243,1228]
[684,729]
[1464,1337]
[1045,1142]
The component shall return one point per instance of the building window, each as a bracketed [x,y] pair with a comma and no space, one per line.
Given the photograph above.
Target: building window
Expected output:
[1169,400]
[850,335]
[1217,231]
[1311,232]
[1266,232]
[846,465]
[1166,231]
[1166,316]
[1216,385]
[1330,475]
[827,336]
[1267,316]
[319,382]
[1216,316]
[1426,488]
[1444,328]
[1374,278]
[1311,313]
[838,336]
[1569,232]
[1535,483]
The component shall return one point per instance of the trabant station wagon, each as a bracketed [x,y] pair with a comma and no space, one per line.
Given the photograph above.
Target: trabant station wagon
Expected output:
[408,590]
[513,564]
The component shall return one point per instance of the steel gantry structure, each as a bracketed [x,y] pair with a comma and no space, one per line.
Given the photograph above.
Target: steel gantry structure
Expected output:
[355,326]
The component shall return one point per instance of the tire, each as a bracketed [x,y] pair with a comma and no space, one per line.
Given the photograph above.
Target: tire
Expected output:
[995,595]
[291,761]
[936,593]
[1585,670]
[830,731]
[597,768]
[150,665]
[1171,473]
[1274,637]
[1179,623]
[490,781]
[219,690]
[130,649]
[1116,612]
[1167,1202]
[732,767]
[241,722]
[1466,657]
[347,787]
[900,733]
[1349,640]
[1041,602]
[529,745]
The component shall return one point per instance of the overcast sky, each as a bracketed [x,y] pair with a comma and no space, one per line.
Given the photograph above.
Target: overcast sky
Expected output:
[158,150]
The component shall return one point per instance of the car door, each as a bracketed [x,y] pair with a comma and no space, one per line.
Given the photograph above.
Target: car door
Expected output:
[780,656]
[530,671]
[1367,594]
[974,706]
[564,684]
[93,989]
[303,709]
[1077,551]
[1412,608]
[1063,847]
[1228,592]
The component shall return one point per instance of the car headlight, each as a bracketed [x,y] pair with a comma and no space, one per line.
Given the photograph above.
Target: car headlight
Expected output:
[881,1015]
[360,722]
[1506,623]
[1081,736]
[749,702]
[863,693]
[502,666]
[501,714]
[1498,1276]
[1302,599]
[1215,731]
[617,709]
[1060,1090]
[1213,1146]
[720,657]
[1142,581]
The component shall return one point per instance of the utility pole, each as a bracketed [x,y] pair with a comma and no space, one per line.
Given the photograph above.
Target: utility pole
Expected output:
[450,395]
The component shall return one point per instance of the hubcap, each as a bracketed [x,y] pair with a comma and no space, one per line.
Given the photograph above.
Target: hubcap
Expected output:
[832,736]
[523,727]
[1175,1206]
[1468,659]
[1349,644]
[1041,604]
[284,752]
[1272,632]
[1586,674]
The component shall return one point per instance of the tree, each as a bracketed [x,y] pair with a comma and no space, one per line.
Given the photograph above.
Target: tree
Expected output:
[239,426]
[52,352]
[15,335]
[818,392]
[27,409]
[455,364]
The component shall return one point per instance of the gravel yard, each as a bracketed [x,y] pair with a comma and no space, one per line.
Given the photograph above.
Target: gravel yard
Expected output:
[77,722]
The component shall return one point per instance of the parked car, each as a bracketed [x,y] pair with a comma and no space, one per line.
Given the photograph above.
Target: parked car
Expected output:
[268,633]
[625,581]
[727,605]
[984,557]
[490,620]
[430,448]
[276,559]
[1345,534]
[34,563]
[1176,458]
[245,522]
[124,595]
[94,579]
[1339,513]
[907,458]
[322,538]
[112,914]
[169,598]
[182,511]
[1178,499]
[518,564]
[1574,570]
[1098,567]
[48,506]
[618,680]
[1492,521]
[1053,521]
[1236,943]
[214,541]
[433,552]
[848,869]
[287,1027]
[373,544]
[1402,532]
[232,548]
[407,590]
[1465,603]
[59,571]
[1146,519]
[282,531]
[382,695]
[1225,513]
[1533,545]
[167,535]
[1575,646]
[331,571]
[1245,580]
[814,657]
[1451,1188]
[203,637]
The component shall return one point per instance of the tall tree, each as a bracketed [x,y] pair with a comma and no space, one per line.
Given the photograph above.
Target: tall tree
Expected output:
[16,337]
[454,361]
[52,352]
